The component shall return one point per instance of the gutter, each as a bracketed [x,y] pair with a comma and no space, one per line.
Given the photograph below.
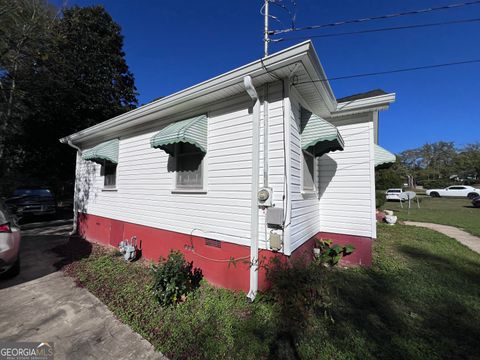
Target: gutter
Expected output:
[250,89]
[75,212]
[380,102]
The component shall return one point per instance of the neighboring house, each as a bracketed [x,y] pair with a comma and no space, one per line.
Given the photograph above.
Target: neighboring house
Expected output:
[184,171]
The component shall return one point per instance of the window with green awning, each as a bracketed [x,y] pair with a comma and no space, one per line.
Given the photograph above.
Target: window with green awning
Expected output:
[383,158]
[106,151]
[318,135]
[192,131]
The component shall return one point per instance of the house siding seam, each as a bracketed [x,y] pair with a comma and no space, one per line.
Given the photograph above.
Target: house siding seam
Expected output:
[144,184]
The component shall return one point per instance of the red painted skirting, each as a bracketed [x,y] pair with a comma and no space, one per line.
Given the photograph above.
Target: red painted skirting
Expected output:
[215,262]
[361,256]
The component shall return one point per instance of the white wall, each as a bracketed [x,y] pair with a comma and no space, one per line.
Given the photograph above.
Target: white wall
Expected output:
[347,180]
[344,200]
[144,186]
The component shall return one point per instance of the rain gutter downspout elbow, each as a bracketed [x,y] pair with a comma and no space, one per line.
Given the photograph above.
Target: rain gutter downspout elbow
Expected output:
[75,214]
[250,89]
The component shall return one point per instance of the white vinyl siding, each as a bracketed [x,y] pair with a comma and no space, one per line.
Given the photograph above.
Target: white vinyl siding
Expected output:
[223,210]
[347,198]
[344,200]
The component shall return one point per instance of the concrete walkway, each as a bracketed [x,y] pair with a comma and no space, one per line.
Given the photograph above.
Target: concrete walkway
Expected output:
[469,240]
[42,304]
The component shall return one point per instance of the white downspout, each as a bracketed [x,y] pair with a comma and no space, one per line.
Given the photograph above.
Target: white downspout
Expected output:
[75,215]
[247,81]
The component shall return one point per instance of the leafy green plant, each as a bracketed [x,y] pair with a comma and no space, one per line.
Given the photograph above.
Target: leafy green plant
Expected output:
[379,198]
[329,254]
[174,279]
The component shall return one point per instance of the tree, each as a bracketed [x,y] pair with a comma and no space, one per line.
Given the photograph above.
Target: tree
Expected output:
[24,36]
[82,80]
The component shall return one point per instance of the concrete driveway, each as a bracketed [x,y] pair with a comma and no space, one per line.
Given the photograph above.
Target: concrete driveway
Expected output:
[42,304]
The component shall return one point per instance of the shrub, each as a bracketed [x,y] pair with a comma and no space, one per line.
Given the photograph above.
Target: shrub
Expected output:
[379,198]
[437,183]
[174,279]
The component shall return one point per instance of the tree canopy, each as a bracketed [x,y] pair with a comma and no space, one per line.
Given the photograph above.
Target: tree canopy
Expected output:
[61,70]
[433,165]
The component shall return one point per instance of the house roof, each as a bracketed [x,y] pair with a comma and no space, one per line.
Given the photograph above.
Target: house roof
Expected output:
[299,60]
[364,95]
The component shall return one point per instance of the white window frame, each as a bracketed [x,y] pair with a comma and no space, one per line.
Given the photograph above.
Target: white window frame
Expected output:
[196,190]
[314,188]
[103,171]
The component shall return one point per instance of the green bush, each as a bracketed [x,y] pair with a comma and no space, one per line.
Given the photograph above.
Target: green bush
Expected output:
[437,184]
[174,279]
[330,255]
[379,198]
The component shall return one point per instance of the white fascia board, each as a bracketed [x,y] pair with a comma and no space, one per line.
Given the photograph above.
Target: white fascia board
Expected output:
[374,103]
[302,52]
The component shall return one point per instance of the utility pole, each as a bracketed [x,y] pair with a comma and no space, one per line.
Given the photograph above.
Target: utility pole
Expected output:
[265,29]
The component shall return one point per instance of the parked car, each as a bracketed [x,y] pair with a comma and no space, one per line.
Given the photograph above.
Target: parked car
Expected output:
[476,201]
[455,191]
[9,242]
[32,201]
[394,194]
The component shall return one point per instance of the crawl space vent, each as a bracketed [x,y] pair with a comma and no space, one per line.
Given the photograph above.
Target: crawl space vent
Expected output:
[214,243]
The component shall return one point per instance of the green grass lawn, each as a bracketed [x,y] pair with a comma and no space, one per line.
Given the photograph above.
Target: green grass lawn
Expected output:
[420,300]
[455,212]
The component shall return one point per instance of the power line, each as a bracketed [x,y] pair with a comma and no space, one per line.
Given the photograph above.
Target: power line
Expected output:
[391,71]
[381,17]
[453,22]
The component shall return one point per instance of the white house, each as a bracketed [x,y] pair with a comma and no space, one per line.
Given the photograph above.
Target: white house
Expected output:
[186,172]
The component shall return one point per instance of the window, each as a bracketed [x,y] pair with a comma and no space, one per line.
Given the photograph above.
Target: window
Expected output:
[188,166]
[109,172]
[456,188]
[308,171]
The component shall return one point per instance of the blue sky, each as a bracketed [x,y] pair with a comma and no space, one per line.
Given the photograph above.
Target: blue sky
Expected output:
[171,45]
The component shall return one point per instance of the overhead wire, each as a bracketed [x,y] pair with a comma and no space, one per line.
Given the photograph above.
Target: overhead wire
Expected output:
[374,18]
[392,71]
[392,28]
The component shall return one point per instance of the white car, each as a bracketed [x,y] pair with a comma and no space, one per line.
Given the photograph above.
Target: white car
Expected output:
[394,194]
[9,242]
[455,191]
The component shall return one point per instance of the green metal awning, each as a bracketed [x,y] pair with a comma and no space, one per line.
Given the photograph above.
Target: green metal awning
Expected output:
[105,151]
[319,136]
[383,158]
[192,131]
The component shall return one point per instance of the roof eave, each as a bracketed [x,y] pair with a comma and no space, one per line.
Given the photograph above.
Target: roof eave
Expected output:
[146,113]
[374,103]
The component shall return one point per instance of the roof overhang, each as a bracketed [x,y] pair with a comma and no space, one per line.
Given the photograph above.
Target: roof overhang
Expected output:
[374,103]
[299,60]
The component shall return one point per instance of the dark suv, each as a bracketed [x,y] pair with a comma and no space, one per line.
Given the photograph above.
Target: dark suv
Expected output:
[32,202]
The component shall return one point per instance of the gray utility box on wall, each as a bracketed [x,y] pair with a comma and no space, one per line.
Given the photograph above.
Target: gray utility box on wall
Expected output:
[275,217]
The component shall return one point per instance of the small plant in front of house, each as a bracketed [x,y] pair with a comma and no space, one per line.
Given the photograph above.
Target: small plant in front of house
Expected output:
[328,254]
[174,279]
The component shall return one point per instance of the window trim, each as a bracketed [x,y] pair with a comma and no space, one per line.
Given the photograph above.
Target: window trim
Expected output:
[194,190]
[103,170]
[313,190]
